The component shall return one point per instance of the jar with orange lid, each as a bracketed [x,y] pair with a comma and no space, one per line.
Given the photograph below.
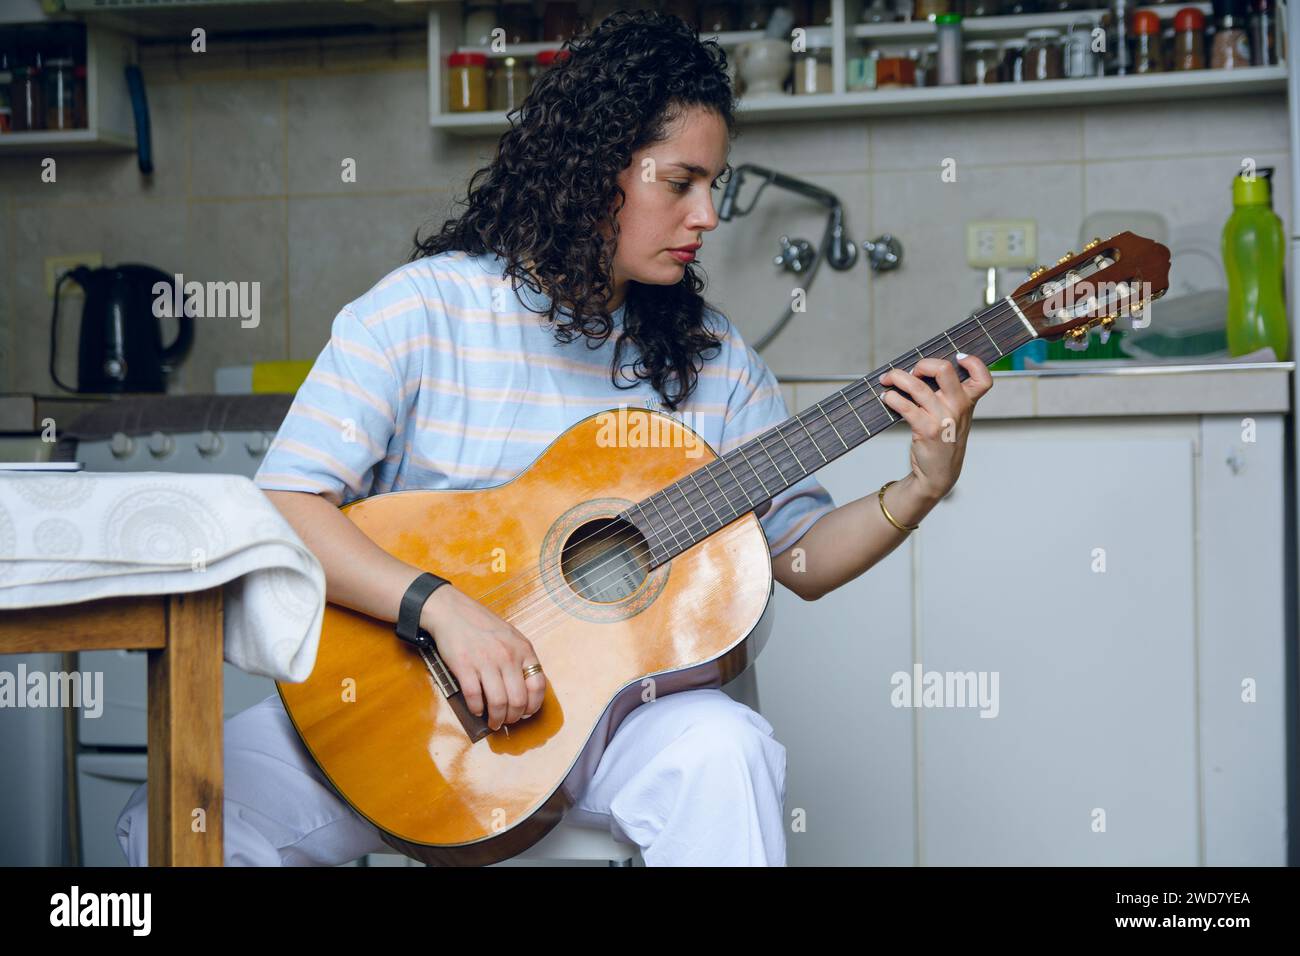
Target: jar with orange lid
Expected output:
[1189,39]
[467,90]
[1148,55]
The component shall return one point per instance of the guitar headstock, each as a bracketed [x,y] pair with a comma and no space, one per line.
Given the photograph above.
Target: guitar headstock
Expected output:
[1121,275]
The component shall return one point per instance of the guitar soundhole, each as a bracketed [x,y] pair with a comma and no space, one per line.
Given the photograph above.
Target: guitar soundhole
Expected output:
[605,560]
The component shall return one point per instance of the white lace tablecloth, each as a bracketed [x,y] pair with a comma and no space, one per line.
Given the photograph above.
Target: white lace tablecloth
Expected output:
[68,538]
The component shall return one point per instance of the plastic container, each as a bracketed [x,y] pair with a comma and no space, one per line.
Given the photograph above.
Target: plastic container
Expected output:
[947,28]
[1253,253]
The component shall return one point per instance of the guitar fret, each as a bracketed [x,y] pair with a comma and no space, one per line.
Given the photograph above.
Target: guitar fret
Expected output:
[996,350]
[799,419]
[660,513]
[706,498]
[818,406]
[695,514]
[854,410]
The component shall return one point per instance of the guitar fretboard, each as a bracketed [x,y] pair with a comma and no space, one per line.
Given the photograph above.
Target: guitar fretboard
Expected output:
[717,493]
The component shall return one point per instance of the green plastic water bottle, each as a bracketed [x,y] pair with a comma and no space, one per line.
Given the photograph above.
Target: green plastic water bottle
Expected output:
[1253,251]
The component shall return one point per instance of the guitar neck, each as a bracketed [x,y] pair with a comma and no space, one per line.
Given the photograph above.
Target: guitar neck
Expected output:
[717,493]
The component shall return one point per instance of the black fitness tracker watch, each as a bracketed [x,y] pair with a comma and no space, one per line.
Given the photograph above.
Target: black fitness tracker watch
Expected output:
[408,616]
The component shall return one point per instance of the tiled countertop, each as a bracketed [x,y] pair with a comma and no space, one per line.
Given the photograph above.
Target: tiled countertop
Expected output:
[1115,390]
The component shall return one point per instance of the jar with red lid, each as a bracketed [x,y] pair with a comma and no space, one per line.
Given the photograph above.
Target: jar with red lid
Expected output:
[547,58]
[1147,53]
[1189,39]
[467,90]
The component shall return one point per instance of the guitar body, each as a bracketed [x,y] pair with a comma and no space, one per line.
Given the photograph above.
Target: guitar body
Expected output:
[377,724]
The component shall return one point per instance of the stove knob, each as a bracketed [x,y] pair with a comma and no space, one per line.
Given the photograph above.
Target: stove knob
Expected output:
[210,444]
[258,445]
[122,445]
[161,445]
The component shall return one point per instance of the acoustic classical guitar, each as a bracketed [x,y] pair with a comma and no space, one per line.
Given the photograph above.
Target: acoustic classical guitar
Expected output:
[631,556]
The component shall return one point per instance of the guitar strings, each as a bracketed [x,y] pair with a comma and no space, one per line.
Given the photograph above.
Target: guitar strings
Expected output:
[1001,320]
[521,615]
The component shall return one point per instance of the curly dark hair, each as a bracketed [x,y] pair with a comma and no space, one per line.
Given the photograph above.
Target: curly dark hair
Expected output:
[553,182]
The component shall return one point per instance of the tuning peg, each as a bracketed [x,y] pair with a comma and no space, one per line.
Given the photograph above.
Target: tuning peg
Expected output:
[1065,258]
[1092,245]
[1037,272]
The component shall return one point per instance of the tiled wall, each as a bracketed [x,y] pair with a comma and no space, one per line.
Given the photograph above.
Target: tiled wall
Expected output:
[248,187]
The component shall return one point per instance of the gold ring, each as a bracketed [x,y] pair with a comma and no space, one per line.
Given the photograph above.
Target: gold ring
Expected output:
[532,669]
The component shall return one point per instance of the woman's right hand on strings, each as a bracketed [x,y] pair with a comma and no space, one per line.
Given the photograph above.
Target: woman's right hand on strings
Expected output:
[486,654]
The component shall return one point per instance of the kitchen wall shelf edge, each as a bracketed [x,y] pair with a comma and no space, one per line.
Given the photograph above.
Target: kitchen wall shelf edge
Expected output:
[110,123]
[445,26]
[938,99]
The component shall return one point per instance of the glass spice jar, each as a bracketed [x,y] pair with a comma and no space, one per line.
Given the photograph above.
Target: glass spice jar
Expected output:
[893,72]
[1231,46]
[1013,61]
[466,82]
[981,62]
[1189,39]
[812,70]
[1043,59]
[25,99]
[1148,57]
[510,84]
[1264,39]
[59,111]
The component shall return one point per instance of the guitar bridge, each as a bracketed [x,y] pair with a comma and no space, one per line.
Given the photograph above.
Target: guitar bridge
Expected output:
[476,727]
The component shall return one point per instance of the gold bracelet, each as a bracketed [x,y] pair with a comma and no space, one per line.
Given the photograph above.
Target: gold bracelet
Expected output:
[881,495]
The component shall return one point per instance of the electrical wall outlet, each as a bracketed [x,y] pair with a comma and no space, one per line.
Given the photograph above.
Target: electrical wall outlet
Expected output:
[1001,242]
[55,266]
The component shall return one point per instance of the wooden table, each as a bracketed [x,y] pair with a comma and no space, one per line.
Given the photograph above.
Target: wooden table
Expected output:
[183,635]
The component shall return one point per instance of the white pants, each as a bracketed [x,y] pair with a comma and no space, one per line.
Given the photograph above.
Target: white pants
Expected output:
[693,778]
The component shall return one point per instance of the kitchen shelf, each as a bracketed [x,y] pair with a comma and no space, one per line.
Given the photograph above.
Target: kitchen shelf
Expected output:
[445,22]
[952,99]
[111,124]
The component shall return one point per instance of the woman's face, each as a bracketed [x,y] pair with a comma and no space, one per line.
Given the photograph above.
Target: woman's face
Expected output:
[670,191]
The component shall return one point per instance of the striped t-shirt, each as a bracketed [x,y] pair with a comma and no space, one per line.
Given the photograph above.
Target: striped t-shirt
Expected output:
[440,378]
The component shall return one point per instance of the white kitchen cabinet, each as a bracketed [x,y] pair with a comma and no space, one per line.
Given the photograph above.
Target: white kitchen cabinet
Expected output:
[1118,692]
